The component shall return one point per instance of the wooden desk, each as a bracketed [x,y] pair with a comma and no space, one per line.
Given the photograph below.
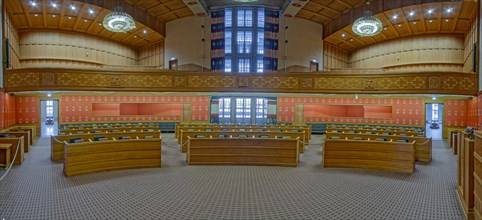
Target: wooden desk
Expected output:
[379,155]
[100,156]
[465,189]
[57,145]
[25,135]
[478,175]
[423,145]
[257,151]
[15,142]
[5,159]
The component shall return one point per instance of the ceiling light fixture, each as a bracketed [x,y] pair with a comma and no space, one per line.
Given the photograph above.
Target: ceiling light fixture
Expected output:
[91,11]
[430,11]
[395,16]
[144,31]
[367,25]
[449,10]
[33,3]
[119,21]
[412,13]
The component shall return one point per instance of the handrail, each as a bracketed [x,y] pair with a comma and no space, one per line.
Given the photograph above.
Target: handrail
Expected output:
[428,139]
[11,164]
[55,139]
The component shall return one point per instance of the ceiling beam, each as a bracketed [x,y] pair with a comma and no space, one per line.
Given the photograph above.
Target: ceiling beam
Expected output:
[326,7]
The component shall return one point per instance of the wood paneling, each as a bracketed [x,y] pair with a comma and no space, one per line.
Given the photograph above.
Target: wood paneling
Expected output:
[152,55]
[55,48]
[149,27]
[166,81]
[396,19]
[11,33]
[469,41]
[334,57]
[437,51]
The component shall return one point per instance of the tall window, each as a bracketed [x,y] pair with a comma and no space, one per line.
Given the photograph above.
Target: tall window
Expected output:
[243,110]
[434,112]
[225,110]
[49,109]
[244,39]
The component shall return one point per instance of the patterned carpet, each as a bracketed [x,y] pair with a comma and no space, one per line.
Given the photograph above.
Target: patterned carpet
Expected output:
[37,189]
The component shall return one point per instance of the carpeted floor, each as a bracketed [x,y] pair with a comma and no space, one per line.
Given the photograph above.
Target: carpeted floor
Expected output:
[37,189]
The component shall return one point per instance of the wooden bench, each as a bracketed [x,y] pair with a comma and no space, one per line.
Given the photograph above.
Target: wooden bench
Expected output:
[105,130]
[33,133]
[243,135]
[16,142]
[257,151]
[408,133]
[25,135]
[423,145]
[379,155]
[123,126]
[5,159]
[100,156]
[219,127]
[57,145]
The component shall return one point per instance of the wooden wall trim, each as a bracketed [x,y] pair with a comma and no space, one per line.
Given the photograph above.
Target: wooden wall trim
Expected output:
[339,82]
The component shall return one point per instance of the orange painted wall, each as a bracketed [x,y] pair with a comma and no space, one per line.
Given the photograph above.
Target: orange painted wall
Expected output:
[455,113]
[27,109]
[406,111]
[7,116]
[472,112]
[78,108]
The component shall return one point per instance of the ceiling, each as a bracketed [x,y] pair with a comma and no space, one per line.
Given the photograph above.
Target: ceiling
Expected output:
[335,15]
[439,21]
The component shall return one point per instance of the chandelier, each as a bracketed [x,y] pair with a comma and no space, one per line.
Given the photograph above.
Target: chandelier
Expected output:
[119,21]
[367,25]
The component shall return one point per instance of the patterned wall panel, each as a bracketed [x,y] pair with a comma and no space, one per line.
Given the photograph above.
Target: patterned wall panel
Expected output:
[328,82]
[7,116]
[472,116]
[27,109]
[479,111]
[78,108]
[406,111]
[455,113]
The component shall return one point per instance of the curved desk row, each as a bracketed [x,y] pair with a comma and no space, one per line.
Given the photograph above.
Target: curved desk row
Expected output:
[99,156]
[379,155]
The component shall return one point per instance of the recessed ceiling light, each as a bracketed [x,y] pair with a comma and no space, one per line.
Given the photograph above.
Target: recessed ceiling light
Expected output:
[414,22]
[385,28]
[446,20]
[412,13]
[430,21]
[33,3]
[399,25]
[144,31]
[100,24]
[449,10]
[343,35]
[135,36]
[351,39]
[430,11]
[35,15]
[54,5]
[54,16]
[91,11]
[72,7]
[85,20]
[70,17]
[395,16]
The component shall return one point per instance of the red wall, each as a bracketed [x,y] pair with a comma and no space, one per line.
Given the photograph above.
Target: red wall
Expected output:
[406,111]
[455,113]
[7,116]
[472,116]
[78,108]
[27,109]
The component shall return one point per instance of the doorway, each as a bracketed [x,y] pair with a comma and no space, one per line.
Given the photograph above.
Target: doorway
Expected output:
[433,120]
[49,114]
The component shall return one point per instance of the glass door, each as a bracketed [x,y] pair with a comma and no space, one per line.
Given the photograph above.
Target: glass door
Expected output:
[243,110]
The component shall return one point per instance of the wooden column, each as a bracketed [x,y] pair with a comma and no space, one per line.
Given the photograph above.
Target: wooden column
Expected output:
[465,189]
[478,176]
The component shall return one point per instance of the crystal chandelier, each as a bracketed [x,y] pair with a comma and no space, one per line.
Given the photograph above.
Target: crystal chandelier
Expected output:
[119,21]
[367,25]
